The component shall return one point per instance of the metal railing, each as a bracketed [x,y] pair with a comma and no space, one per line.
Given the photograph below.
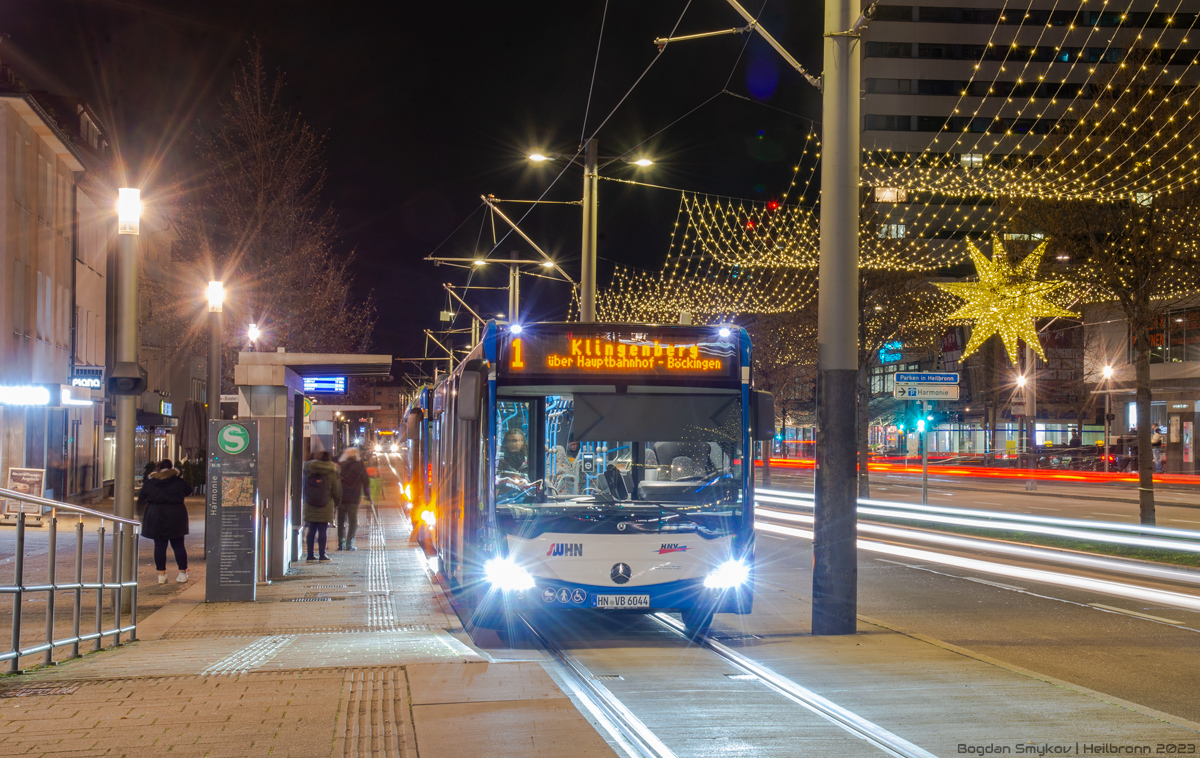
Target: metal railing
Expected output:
[122,540]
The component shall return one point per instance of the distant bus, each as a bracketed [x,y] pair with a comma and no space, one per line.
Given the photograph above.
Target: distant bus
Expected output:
[596,466]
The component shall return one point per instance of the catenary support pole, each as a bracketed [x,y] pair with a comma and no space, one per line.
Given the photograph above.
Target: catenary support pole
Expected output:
[514,292]
[126,352]
[835,550]
[587,277]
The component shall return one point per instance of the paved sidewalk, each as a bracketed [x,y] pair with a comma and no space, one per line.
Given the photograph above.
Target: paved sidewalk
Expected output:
[361,656]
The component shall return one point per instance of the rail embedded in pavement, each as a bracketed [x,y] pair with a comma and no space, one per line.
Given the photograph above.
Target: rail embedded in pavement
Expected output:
[124,538]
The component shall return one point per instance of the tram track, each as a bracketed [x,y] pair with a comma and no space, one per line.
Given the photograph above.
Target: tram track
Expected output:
[639,741]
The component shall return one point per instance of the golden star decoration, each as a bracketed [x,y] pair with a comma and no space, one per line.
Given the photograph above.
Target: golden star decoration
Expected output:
[1005,301]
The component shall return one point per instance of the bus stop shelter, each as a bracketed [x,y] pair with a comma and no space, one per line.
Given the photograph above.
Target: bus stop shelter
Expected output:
[271,391]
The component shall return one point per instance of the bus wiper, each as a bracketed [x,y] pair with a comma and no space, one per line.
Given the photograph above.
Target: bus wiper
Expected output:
[677,511]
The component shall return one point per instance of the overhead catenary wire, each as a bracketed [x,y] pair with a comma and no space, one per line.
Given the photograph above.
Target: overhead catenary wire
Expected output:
[595,66]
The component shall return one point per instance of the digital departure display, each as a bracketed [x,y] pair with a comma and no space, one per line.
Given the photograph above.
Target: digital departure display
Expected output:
[330,385]
[573,352]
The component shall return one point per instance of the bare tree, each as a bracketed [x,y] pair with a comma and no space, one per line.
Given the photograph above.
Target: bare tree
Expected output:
[257,221]
[894,306]
[1124,223]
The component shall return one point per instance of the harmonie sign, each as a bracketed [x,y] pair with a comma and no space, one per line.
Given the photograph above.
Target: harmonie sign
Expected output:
[632,352]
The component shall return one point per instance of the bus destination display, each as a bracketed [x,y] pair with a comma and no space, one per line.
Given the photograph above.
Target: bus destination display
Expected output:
[577,353]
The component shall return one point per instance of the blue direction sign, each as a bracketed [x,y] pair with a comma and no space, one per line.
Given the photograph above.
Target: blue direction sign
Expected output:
[925,377]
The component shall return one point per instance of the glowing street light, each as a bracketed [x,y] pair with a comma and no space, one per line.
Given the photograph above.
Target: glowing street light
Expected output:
[216,296]
[254,332]
[1108,372]
[129,210]
[1021,380]
[590,204]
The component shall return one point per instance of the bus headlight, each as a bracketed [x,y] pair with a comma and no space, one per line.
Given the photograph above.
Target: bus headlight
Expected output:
[728,575]
[428,517]
[506,575]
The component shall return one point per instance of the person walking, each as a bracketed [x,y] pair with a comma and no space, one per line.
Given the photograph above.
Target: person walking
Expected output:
[322,493]
[1156,445]
[165,518]
[355,484]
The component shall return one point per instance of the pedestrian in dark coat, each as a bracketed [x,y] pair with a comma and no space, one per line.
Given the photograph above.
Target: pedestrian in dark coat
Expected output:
[355,484]
[322,493]
[165,519]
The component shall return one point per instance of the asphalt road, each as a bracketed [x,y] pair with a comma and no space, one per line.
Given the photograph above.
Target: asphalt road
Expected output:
[1176,507]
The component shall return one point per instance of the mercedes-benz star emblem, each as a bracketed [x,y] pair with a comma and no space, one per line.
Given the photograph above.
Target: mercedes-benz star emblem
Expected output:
[620,573]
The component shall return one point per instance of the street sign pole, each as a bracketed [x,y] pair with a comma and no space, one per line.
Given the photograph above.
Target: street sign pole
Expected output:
[925,452]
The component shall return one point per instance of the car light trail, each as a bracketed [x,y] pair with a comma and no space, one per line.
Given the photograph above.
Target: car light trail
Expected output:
[1117,589]
[984,472]
[1050,555]
[1037,524]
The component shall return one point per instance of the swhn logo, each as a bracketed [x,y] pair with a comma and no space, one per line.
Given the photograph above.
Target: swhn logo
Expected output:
[568,549]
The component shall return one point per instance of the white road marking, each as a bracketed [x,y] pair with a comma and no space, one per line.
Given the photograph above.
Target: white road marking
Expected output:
[895,563]
[994,584]
[1116,515]
[1073,581]
[1128,612]
[1183,520]
[774,537]
[1040,508]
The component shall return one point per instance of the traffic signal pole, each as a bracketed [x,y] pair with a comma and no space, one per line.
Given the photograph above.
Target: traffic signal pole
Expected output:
[924,427]
[835,546]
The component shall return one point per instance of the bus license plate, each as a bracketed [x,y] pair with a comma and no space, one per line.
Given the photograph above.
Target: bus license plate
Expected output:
[620,601]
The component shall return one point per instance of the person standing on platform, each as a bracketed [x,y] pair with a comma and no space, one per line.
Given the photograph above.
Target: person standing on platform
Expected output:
[165,519]
[355,484]
[322,493]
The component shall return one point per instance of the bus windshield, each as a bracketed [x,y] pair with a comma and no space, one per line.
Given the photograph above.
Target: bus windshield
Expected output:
[656,459]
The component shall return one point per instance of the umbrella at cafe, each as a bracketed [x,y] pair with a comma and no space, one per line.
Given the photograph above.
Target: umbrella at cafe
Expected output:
[193,430]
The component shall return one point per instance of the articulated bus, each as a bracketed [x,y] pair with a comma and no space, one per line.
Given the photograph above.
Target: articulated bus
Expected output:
[597,466]
[417,471]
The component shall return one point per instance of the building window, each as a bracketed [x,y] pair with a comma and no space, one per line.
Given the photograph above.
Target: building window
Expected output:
[891,231]
[891,195]
[971,160]
[1174,338]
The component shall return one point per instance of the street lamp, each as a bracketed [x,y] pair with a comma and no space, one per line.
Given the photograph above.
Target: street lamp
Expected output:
[253,332]
[1108,372]
[129,212]
[590,203]
[216,299]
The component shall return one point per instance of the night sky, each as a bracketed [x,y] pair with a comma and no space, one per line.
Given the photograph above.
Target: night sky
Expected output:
[426,106]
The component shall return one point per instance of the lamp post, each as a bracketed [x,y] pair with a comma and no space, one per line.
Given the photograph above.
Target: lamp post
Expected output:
[129,213]
[216,299]
[591,208]
[1108,372]
[253,333]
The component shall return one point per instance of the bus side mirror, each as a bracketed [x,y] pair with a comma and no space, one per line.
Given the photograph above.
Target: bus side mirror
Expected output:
[762,415]
[469,387]
[412,429]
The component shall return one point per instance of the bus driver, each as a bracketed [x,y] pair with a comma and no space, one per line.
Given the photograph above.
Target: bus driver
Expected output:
[513,466]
